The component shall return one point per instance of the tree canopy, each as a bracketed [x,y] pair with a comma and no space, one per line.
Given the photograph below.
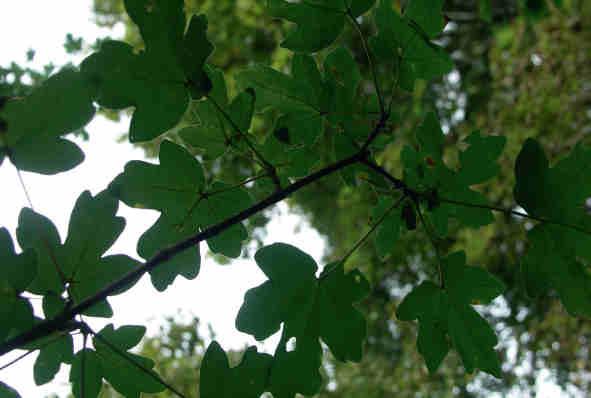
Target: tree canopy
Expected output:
[416,125]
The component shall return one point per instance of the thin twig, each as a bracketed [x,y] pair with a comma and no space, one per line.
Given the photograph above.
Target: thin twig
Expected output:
[398,184]
[83,367]
[17,359]
[372,229]
[369,60]
[235,186]
[431,236]
[516,213]
[138,365]
[29,352]
[24,187]
[270,168]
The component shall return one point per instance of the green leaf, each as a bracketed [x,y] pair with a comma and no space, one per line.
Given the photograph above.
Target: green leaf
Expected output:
[303,100]
[124,337]
[153,84]
[248,379]
[164,234]
[388,232]
[87,240]
[443,312]
[288,292]
[420,58]
[53,305]
[196,49]
[36,232]
[18,271]
[478,162]
[485,10]
[161,22]
[122,369]
[426,303]
[469,284]
[337,292]
[16,312]
[319,22]
[557,193]
[51,357]
[431,138]
[160,80]
[79,261]
[8,392]
[61,105]
[176,187]
[551,263]
[557,254]
[427,14]
[425,171]
[46,155]
[87,362]
[209,128]
[342,78]
[296,371]
[310,309]
[221,202]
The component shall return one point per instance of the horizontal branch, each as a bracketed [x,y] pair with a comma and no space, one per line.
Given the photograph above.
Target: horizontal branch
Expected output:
[516,213]
[399,184]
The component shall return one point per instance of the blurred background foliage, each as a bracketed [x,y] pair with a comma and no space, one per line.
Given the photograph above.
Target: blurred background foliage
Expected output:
[523,69]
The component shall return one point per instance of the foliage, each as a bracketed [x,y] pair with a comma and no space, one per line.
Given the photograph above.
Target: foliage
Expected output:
[324,122]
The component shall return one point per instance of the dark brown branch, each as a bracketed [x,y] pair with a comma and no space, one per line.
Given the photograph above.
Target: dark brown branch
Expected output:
[47,327]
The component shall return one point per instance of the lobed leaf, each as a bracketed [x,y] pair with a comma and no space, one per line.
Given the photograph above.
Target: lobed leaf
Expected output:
[557,255]
[309,309]
[247,380]
[160,80]
[318,22]
[61,105]
[446,312]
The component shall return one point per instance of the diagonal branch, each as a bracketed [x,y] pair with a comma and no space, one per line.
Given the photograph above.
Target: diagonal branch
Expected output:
[135,363]
[44,328]
[399,184]
[62,320]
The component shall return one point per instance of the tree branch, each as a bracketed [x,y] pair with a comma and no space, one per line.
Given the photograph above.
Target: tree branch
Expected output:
[49,326]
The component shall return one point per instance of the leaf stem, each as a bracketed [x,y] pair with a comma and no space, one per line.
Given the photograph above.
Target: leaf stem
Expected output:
[372,229]
[83,366]
[431,235]
[238,185]
[24,187]
[138,365]
[29,352]
[517,213]
[369,60]
[267,165]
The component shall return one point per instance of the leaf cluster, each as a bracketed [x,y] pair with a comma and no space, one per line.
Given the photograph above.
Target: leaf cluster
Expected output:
[171,88]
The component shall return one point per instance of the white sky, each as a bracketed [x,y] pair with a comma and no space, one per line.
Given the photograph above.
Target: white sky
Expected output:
[215,296]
